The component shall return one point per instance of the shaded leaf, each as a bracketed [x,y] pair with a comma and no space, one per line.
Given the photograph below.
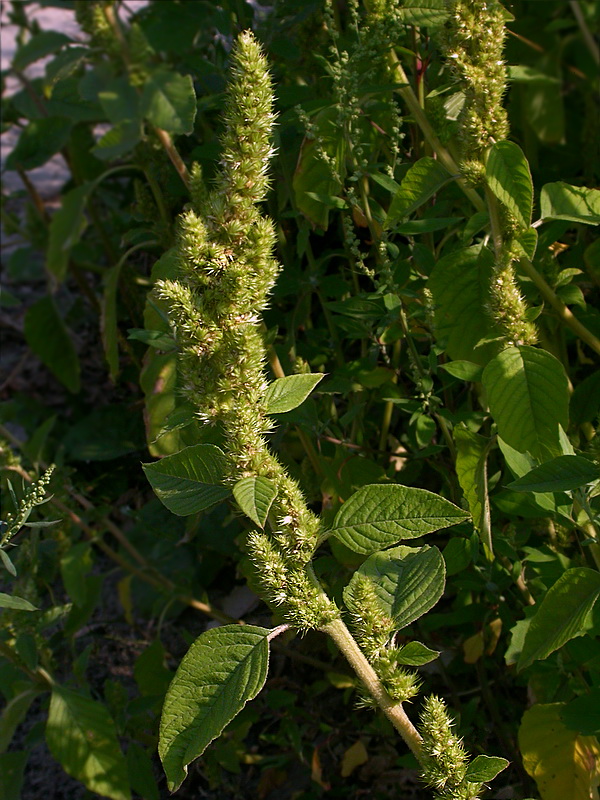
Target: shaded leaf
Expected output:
[561,474]
[82,737]
[527,391]
[47,335]
[40,45]
[39,141]
[561,615]
[471,468]
[224,669]
[423,179]
[169,101]
[66,227]
[415,654]
[583,713]
[460,285]
[13,714]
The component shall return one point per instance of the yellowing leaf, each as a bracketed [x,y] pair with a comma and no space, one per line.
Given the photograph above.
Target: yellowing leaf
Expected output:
[353,758]
[562,763]
[473,648]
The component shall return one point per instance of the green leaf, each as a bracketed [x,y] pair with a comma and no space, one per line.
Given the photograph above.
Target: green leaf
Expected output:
[471,468]
[561,474]
[13,715]
[40,45]
[74,567]
[415,654]
[285,394]
[169,101]
[574,203]
[379,515]
[528,395]
[460,285]
[509,178]
[12,767]
[158,339]
[458,554]
[583,713]
[48,337]
[66,227]
[561,615]
[141,772]
[429,13]
[255,497]
[585,400]
[224,669]
[465,370]
[414,227]
[81,736]
[189,481]
[118,141]
[422,180]
[7,563]
[485,768]
[408,581]
[39,141]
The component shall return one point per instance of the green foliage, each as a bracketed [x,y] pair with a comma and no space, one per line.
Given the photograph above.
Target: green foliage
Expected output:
[416,232]
[223,670]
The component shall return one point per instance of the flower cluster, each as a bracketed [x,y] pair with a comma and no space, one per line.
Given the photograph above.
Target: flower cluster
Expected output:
[227,270]
[444,760]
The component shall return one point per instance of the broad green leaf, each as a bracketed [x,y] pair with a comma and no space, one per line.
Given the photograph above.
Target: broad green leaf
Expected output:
[561,762]
[562,614]
[508,176]
[74,567]
[422,180]
[285,394]
[141,772]
[414,227]
[82,737]
[18,603]
[40,45]
[12,767]
[189,481]
[7,562]
[66,227]
[379,515]
[460,285]
[39,141]
[224,669]
[484,769]
[583,713]
[255,497]
[108,318]
[120,102]
[574,203]
[13,714]
[457,554]
[471,468]
[428,13]
[520,464]
[169,101]
[415,654]
[118,141]
[408,581]
[465,370]
[47,335]
[561,474]
[158,339]
[528,395]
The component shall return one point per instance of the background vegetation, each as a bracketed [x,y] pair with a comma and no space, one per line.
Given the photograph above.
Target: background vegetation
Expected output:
[375,291]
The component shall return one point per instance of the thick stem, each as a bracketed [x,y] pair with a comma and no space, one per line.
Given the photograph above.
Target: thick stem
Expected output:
[173,153]
[393,710]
